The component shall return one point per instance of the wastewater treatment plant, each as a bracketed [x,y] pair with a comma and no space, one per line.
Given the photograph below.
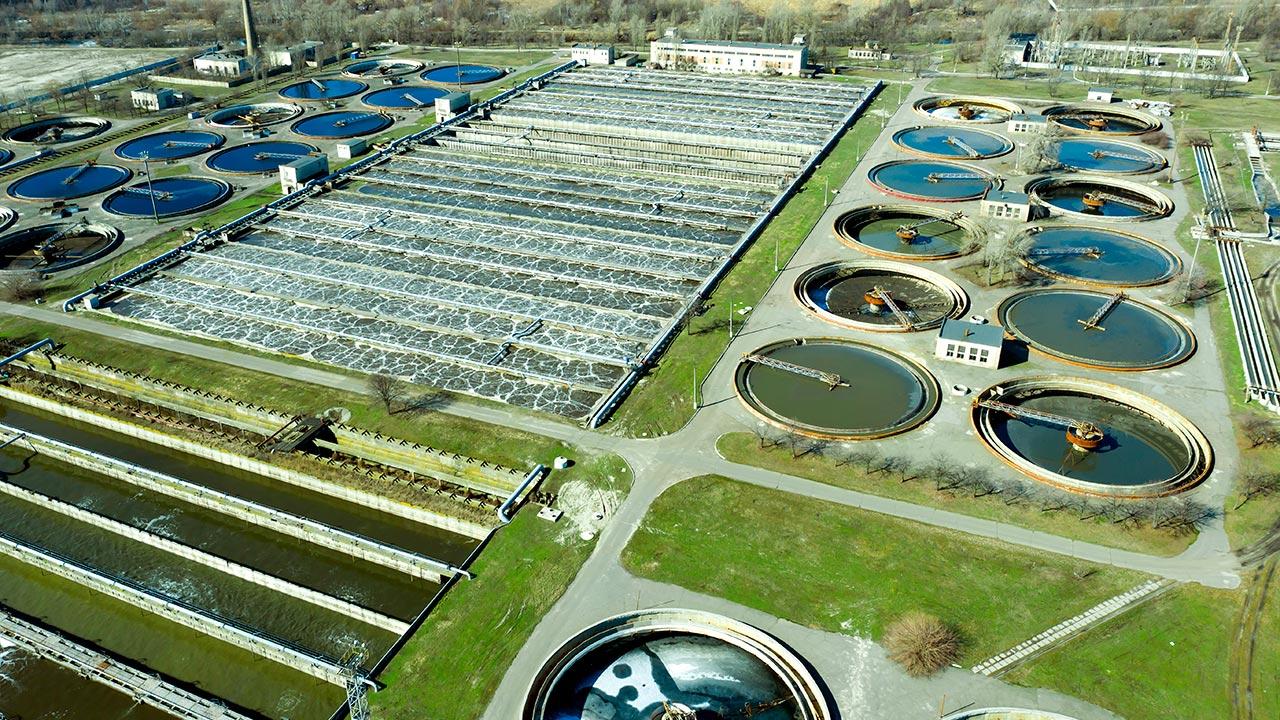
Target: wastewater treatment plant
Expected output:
[685,379]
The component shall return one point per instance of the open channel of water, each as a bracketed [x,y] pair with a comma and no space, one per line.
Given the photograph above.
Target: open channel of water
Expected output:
[28,683]
[177,652]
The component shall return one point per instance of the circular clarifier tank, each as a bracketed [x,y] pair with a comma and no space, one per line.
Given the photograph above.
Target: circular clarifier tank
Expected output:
[258,157]
[836,389]
[52,131]
[255,115]
[1091,437]
[1107,156]
[69,181]
[646,665]
[1095,329]
[170,145]
[463,74]
[1100,197]
[167,197]
[952,143]
[967,109]
[1101,119]
[8,216]
[907,232]
[404,97]
[880,296]
[932,180]
[1098,256]
[50,248]
[322,89]
[342,124]
[381,67]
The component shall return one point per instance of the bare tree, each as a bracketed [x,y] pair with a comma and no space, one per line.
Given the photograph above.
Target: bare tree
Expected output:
[389,389]
[1257,484]
[1260,431]
[21,286]
[921,643]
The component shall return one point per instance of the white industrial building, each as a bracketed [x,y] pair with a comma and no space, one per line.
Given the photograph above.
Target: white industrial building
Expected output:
[593,54]
[293,56]
[1027,123]
[293,175]
[1006,205]
[154,99]
[970,343]
[222,64]
[727,56]
[870,51]
[1101,95]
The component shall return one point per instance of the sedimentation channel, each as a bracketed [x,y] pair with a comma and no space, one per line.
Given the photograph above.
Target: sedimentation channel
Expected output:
[90,519]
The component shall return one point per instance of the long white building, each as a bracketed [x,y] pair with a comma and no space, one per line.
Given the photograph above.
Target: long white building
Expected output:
[727,56]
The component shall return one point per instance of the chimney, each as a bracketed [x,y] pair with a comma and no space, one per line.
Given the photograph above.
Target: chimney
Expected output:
[250,32]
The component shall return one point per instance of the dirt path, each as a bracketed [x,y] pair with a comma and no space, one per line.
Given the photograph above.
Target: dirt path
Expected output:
[1246,638]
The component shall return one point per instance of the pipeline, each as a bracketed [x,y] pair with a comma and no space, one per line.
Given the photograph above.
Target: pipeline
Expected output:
[534,475]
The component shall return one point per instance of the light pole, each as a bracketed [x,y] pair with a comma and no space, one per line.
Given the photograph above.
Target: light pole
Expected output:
[734,305]
[146,170]
[826,191]
[457,67]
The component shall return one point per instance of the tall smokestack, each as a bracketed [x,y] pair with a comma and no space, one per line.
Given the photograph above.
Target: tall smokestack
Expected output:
[250,32]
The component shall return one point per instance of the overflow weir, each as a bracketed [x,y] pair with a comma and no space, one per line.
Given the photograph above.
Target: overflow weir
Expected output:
[138,685]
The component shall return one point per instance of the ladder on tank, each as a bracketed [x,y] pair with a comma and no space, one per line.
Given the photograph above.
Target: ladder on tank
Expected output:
[938,177]
[161,195]
[186,143]
[963,146]
[1082,428]
[1131,202]
[1093,323]
[70,179]
[832,380]
[1089,251]
[1099,154]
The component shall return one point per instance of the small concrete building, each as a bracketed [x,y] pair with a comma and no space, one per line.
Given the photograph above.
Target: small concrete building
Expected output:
[1006,205]
[293,175]
[1101,95]
[293,56]
[451,105]
[1027,123]
[727,56]
[154,99]
[355,147]
[222,64]
[870,51]
[970,343]
[627,60]
[593,53]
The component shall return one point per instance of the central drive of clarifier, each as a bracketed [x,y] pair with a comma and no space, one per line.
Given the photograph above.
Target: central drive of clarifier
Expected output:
[965,109]
[173,145]
[836,389]
[167,197]
[1136,446]
[907,232]
[931,180]
[1100,197]
[1096,329]
[880,296]
[342,124]
[1106,156]
[1101,119]
[258,157]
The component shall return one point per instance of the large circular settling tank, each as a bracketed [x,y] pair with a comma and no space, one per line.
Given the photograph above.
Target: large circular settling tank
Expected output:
[462,74]
[52,131]
[836,389]
[967,109]
[50,248]
[1107,156]
[258,157]
[169,145]
[1101,120]
[880,296]
[342,124]
[1098,256]
[1100,197]
[1096,329]
[322,89]
[652,663]
[906,232]
[167,197]
[932,180]
[69,181]
[1091,437]
[404,97]
[251,116]
[952,143]
[381,67]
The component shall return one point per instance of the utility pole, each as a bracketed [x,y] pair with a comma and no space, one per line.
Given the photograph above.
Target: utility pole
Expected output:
[146,170]
[695,388]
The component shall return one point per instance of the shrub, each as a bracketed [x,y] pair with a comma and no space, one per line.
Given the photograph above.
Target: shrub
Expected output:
[921,643]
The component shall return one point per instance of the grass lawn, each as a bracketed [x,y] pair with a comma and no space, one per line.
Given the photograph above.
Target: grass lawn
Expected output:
[662,402]
[848,570]
[452,666]
[1030,89]
[745,448]
[1251,521]
[1166,659]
